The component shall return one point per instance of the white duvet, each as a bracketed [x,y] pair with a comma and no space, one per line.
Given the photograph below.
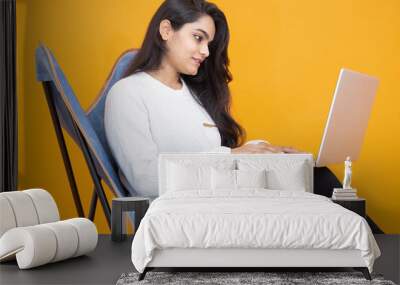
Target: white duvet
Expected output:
[250,219]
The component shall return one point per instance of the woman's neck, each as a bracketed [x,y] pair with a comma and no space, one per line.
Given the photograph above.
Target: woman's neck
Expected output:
[167,75]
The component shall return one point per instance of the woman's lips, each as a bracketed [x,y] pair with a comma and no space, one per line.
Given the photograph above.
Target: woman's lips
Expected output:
[197,61]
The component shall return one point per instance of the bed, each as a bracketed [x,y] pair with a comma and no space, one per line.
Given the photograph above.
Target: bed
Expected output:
[237,210]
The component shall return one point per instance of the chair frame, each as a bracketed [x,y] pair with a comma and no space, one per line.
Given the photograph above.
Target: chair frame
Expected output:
[98,191]
[100,167]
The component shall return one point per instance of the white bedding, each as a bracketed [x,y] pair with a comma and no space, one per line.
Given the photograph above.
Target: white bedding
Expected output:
[250,218]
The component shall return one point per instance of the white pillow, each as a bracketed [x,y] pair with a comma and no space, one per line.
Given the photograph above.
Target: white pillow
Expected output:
[282,173]
[290,179]
[251,178]
[187,177]
[223,179]
[237,179]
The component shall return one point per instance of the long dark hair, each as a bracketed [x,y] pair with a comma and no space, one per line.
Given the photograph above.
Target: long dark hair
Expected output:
[210,85]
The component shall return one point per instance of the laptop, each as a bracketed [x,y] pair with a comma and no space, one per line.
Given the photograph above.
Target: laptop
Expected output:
[348,117]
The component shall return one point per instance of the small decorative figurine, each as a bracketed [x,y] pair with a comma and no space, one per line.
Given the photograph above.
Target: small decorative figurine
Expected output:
[347,174]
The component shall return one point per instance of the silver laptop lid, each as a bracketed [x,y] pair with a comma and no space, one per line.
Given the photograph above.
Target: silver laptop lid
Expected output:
[348,117]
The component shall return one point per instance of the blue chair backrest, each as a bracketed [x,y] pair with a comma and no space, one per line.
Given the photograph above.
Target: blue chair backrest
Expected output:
[95,113]
[69,111]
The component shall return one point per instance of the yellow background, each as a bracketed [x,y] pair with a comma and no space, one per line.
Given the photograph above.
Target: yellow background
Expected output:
[285,59]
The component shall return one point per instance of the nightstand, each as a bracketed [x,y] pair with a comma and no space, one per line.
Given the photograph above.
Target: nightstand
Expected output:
[356,205]
[138,205]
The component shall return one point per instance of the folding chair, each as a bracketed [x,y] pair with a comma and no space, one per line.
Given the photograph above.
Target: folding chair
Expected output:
[86,129]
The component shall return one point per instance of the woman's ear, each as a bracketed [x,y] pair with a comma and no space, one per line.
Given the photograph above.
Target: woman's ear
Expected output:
[165,29]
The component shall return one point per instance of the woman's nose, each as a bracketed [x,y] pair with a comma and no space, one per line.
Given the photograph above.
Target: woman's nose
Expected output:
[204,50]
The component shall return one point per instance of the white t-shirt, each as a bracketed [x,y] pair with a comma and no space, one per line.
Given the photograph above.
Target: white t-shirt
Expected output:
[144,117]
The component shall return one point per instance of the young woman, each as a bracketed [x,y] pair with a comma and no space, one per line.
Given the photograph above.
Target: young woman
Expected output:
[175,96]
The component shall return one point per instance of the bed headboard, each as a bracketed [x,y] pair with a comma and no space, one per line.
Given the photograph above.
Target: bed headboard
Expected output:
[283,164]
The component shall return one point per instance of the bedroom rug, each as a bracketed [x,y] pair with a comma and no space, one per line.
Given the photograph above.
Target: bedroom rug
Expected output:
[230,278]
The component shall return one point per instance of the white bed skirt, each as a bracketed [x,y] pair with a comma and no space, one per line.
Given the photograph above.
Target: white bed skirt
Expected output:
[192,257]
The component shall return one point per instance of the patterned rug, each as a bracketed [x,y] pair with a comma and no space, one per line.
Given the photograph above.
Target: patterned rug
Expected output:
[244,278]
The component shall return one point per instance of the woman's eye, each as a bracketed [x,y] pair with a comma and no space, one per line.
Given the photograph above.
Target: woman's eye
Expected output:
[198,38]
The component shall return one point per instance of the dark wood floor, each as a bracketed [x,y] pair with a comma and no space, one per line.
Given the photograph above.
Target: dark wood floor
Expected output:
[110,260]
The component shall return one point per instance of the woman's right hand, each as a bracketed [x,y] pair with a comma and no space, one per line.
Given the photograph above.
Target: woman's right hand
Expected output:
[263,147]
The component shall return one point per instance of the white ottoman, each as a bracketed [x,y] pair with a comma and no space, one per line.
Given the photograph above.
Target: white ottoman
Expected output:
[31,232]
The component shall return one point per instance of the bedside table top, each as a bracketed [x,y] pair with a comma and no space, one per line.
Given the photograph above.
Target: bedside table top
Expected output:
[348,200]
[130,199]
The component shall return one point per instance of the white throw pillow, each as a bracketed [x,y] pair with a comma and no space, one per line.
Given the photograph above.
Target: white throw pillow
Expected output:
[188,177]
[251,178]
